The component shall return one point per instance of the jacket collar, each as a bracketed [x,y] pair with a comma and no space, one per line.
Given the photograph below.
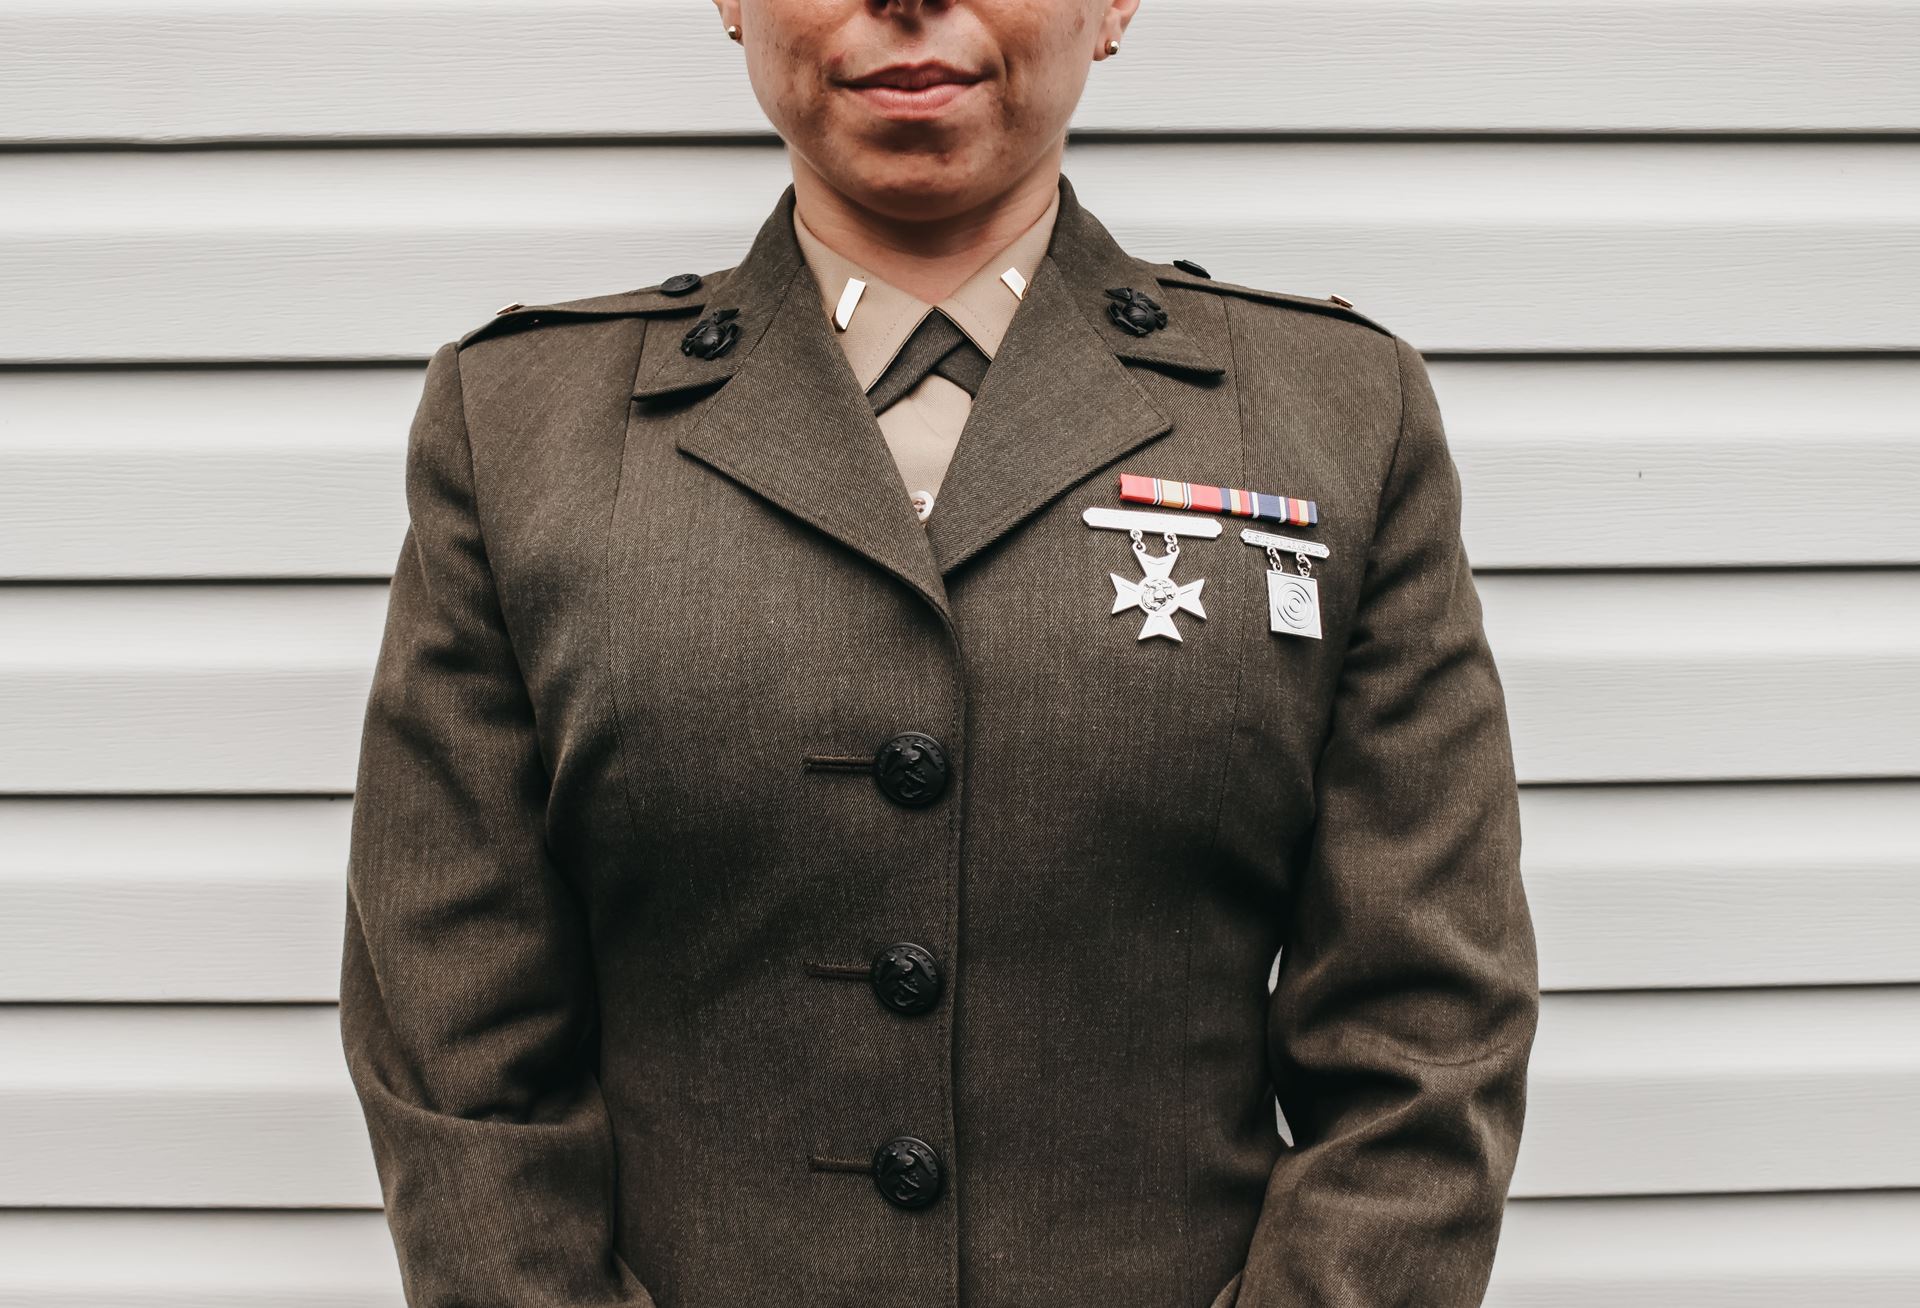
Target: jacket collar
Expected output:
[884,317]
[790,422]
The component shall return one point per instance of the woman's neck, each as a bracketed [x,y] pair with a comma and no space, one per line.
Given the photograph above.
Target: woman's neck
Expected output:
[927,258]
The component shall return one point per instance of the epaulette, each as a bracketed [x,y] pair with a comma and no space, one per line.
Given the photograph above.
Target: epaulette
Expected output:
[1185,272]
[674,295]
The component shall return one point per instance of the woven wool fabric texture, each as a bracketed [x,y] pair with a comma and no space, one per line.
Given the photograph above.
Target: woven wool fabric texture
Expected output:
[611,898]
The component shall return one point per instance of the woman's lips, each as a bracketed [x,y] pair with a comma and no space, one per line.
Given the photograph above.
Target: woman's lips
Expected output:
[922,102]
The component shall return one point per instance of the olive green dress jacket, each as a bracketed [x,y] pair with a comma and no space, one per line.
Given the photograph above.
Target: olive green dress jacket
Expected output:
[758,896]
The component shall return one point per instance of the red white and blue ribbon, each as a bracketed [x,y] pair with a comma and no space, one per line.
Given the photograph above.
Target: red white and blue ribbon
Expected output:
[1218,499]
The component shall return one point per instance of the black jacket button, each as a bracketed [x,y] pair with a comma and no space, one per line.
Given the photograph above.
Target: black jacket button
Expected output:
[911,769]
[905,977]
[680,283]
[1188,265]
[1134,312]
[713,335]
[907,1172]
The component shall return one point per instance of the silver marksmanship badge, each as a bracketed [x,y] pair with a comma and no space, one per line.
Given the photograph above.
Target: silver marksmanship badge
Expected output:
[1156,594]
[1293,601]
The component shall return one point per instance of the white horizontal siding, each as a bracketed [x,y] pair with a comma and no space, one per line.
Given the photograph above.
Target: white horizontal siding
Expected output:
[1637,887]
[185,688]
[1664,256]
[1574,463]
[116,70]
[1676,1093]
[173,899]
[166,473]
[1691,676]
[242,900]
[1749,1251]
[1456,245]
[129,1259]
[1631,886]
[1754,1251]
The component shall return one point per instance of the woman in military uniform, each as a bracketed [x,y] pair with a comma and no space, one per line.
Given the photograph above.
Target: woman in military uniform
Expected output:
[837,777]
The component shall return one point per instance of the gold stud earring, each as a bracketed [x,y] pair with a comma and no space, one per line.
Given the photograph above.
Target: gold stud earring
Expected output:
[1113,47]
[733,33]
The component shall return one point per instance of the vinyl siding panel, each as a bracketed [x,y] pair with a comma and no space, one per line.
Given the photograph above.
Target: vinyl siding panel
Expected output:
[1525,247]
[1569,463]
[247,1106]
[1609,676]
[116,70]
[238,900]
[1664,258]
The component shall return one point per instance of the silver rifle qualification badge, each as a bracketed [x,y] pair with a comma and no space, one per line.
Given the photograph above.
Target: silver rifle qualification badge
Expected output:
[1293,602]
[1156,594]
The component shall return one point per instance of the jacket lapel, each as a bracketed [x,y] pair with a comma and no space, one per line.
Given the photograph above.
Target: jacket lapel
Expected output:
[790,421]
[783,414]
[1058,403]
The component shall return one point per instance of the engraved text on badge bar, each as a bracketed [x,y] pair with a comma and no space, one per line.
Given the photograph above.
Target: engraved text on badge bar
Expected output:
[1312,548]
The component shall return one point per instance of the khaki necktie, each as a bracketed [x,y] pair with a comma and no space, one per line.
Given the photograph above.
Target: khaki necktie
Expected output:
[936,346]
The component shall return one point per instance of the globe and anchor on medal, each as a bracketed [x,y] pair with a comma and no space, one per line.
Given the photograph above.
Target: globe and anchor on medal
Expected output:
[1157,594]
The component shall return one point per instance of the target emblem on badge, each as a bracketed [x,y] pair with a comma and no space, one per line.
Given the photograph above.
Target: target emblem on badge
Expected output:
[1293,604]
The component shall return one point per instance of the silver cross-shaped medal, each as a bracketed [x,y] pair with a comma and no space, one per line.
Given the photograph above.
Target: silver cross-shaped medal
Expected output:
[1157,594]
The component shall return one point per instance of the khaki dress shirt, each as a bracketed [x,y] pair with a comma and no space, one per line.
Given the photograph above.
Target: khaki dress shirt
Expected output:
[873,320]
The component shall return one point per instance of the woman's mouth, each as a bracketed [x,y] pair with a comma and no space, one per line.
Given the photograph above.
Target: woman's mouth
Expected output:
[909,91]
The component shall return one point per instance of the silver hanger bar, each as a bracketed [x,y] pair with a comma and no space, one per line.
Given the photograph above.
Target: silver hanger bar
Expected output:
[1311,548]
[1128,519]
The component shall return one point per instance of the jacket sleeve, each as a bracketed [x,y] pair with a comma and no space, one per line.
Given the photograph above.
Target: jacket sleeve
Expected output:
[466,999]
[1404,1013]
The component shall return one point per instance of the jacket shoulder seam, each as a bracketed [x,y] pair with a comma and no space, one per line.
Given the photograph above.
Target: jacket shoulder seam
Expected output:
[646,302]
[1168,275]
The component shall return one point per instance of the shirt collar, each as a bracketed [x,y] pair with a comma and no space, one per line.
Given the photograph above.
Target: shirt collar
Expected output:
[884,316]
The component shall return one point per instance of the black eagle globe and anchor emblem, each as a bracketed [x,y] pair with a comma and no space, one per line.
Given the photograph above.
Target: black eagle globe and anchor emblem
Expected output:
[1134,312]
[713,335]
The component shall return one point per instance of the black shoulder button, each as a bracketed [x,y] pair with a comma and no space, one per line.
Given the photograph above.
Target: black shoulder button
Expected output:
[628,304]
[681,283]
[1188,265]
